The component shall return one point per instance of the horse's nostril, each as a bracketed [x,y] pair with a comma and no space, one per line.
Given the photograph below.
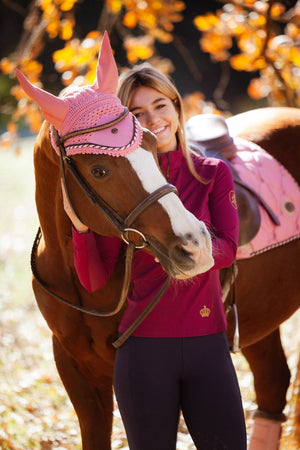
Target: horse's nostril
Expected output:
[182,251]
[181,256]
[189,236]
[189,239]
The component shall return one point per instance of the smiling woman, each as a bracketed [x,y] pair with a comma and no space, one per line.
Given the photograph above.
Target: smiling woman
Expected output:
[188,324]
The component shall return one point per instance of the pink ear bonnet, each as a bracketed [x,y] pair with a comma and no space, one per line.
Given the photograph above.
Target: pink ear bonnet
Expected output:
[88,107]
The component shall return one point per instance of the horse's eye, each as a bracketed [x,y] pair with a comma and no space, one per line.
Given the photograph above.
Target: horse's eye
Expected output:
[99,172]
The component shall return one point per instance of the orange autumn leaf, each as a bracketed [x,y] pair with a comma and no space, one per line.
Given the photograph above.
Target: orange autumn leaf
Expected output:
[241,62]
[17,92]
[259,63]
[161,35]
[205,23]
[130,19]
[258,89]
[214,42]
[179,6]
[32,69]
[6,66]
[95,35]
[292,30]
[64,55]
[67,5]
[295,56]
[148,19]
[256,20]
[53,28]
[277,9]
[66,30]
[114,6]
[48,7]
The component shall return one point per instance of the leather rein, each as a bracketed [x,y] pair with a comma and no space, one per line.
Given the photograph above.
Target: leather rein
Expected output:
[123,225]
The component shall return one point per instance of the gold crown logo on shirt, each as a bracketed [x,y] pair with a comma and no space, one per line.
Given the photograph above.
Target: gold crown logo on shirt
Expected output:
[205,312]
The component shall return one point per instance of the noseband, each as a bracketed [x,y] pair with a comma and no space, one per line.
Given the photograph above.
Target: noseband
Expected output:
[123,225]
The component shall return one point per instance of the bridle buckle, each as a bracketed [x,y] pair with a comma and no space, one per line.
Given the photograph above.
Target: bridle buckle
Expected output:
[126,239]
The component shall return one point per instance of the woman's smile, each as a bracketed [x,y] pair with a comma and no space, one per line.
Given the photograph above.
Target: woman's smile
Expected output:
[158,130]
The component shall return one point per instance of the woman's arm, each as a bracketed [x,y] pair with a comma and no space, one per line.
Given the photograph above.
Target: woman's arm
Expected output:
[224,218]
[95,257]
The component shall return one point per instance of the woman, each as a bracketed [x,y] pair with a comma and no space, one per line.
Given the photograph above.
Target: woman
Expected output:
[178,358]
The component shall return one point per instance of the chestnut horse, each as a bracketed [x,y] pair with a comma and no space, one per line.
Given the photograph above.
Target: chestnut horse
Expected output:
[110,173]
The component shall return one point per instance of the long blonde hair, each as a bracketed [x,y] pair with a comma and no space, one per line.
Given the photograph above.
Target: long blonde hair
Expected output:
[146,75]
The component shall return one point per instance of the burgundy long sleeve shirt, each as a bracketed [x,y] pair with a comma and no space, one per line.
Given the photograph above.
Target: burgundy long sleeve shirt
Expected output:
[190,307]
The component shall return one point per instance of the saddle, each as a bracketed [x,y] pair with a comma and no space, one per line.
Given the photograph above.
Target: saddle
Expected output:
[209,136]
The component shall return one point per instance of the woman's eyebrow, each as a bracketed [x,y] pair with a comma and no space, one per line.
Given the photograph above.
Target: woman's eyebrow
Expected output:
[157,100]
[136,108]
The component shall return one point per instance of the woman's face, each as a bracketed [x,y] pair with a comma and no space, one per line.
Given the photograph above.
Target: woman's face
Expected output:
[157,113]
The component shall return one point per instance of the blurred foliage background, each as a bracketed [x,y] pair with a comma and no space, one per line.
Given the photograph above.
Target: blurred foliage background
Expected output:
[225,57]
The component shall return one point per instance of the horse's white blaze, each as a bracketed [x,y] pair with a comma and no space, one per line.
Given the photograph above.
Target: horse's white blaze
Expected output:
[184,224]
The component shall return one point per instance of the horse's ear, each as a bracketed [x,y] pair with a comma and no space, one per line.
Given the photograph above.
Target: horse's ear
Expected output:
[54,109]
[107,71]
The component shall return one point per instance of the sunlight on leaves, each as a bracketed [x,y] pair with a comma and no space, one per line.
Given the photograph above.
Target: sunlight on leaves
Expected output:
[66,30]
[114,6]
[251,35]
[255,28]
[140,48]
[130,19]
[258,88]
[205,23]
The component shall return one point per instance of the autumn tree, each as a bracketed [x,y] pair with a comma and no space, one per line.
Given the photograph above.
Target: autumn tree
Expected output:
[261,37]
[267,36]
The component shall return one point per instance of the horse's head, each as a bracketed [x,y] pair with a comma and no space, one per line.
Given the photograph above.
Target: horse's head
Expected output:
[113,161]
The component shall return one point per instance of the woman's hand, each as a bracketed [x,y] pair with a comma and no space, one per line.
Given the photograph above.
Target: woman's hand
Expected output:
[77,224]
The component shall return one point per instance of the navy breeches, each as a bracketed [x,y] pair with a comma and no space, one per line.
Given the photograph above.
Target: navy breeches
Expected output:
[156,378]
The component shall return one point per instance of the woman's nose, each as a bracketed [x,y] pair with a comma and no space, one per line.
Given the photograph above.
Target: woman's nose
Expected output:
[150,118]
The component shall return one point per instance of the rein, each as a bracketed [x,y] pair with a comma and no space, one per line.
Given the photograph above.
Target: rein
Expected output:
[123,226]
[235,347]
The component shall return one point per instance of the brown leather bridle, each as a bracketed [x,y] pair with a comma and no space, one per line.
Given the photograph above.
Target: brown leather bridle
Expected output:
[123,225]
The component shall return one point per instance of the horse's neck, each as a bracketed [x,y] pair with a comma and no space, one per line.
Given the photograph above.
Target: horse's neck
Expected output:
[53,220]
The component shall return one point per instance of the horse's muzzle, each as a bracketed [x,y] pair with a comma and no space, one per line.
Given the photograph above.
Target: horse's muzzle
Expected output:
[185,257]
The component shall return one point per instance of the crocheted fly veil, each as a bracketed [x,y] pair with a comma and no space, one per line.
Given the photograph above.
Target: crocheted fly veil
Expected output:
[89,107]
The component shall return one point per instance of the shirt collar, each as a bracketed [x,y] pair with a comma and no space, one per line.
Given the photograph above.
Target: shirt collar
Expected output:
[170,161]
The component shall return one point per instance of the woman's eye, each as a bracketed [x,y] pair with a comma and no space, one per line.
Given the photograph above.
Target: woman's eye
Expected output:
[99,172]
